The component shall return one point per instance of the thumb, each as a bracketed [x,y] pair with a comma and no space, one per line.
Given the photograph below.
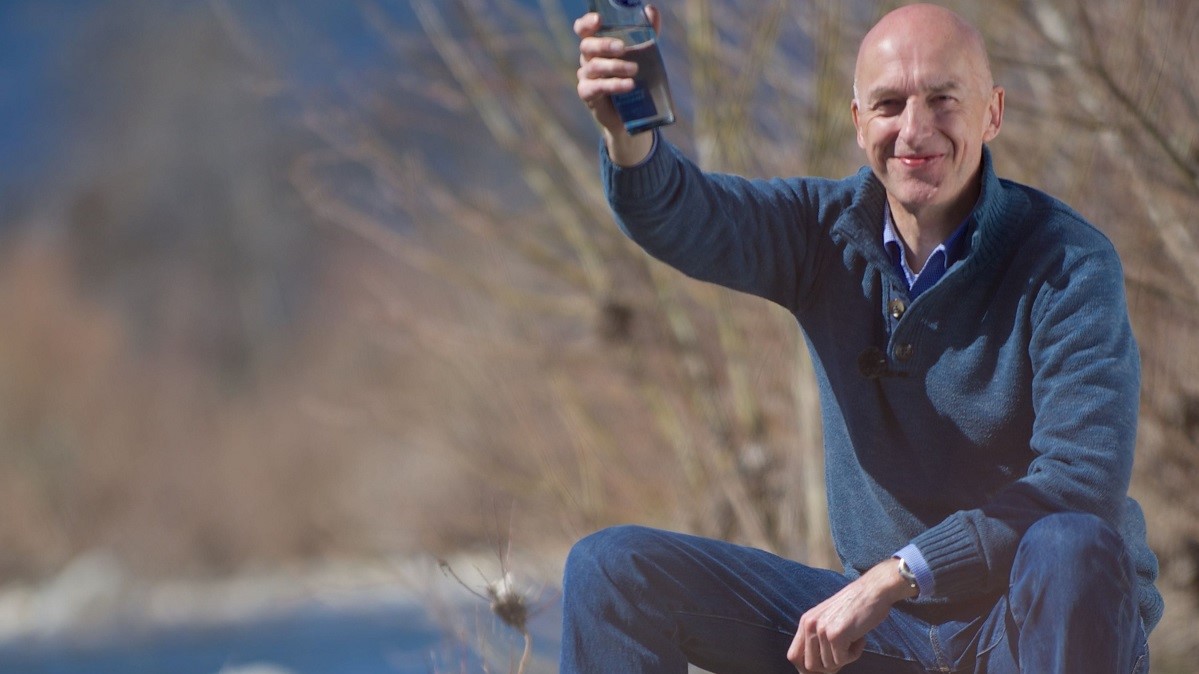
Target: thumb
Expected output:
[655,17]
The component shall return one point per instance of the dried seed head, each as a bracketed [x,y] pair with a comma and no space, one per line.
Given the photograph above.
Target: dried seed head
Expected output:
[508,603]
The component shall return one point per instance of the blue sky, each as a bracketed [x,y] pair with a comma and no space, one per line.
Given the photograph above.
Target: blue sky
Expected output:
[39,50]
[317,40]
[34,36]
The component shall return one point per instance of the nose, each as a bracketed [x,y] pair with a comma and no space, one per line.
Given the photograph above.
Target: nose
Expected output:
[915,124]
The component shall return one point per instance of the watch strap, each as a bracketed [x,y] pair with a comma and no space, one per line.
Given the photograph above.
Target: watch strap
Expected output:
[906,573]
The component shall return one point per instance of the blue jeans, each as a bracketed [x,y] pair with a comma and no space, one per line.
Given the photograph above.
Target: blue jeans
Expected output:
[642,600]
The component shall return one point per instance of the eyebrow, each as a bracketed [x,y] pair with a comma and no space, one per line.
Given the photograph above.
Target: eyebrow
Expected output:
[884,92]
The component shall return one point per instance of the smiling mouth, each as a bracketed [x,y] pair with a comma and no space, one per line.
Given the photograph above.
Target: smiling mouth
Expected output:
[918,161]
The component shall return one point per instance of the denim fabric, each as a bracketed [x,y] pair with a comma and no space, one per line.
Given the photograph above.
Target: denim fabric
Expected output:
[644,600]
[1007,391]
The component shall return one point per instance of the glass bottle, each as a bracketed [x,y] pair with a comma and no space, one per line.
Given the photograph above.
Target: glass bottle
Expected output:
[649,104]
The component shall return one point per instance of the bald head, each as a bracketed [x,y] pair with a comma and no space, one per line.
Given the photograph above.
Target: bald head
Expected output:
[924,28]
[924,107]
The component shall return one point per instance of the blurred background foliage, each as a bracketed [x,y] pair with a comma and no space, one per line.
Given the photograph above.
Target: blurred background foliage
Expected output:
[304,281]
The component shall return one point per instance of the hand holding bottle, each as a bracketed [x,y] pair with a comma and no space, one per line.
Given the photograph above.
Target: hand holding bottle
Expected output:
[621,77]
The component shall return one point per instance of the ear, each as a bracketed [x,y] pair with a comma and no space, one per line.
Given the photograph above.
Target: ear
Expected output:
[994,115]
[853,111]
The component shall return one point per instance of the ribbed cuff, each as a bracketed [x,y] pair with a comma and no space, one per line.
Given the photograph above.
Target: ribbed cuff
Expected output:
[919,567]
[952,557]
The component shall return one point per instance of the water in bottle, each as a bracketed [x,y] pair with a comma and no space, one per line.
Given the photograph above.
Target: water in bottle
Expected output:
[649,104]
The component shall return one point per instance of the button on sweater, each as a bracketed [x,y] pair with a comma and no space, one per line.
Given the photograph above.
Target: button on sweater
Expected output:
[1009,388]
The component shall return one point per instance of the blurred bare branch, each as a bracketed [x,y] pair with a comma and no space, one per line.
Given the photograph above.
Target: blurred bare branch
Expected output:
[453,310]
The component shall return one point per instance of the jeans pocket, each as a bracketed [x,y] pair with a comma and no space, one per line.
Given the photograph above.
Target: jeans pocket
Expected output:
[962,643]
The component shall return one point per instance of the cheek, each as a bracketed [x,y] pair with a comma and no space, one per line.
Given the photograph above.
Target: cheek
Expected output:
[962,133]
[879,136]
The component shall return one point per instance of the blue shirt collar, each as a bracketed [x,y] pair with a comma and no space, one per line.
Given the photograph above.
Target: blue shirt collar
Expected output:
[942,258]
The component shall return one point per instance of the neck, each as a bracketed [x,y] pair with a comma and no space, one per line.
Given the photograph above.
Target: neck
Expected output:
[922,230]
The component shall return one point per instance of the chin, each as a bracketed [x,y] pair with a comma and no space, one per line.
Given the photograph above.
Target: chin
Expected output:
[915,198]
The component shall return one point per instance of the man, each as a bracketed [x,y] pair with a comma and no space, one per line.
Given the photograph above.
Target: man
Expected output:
[979,384]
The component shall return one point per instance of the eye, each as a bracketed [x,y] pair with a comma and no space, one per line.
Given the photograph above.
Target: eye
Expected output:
[888,106]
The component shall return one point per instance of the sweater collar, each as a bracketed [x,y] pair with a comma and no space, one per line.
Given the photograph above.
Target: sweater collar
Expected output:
[995,221]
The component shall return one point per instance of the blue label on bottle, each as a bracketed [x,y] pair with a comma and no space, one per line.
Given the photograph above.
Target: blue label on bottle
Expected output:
[635,105]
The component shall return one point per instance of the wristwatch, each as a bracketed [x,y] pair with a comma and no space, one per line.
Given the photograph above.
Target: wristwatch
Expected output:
[907,574]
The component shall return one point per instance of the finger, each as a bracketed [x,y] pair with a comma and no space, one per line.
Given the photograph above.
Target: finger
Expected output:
[600,68]
[811,655]
[591,91]
[856,649]
[828,654]
[795,652]
[851,655]
[600,47]
[587,25]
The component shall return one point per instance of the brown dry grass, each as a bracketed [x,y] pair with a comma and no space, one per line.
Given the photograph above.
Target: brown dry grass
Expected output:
[502,348]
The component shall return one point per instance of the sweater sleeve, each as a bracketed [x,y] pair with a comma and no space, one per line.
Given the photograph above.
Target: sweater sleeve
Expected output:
[749,235]
[1085,388]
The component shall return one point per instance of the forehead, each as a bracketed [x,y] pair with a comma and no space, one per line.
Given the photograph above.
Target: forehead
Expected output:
[905,65]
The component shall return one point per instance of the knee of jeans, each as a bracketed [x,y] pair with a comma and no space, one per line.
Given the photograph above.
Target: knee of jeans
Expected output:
[1076,547]
[603,555]
[1071,533]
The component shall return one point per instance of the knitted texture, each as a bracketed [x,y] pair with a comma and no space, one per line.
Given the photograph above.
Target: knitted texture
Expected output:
[1010,387]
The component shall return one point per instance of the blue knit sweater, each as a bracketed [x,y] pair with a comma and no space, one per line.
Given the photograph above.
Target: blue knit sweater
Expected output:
[1009,389]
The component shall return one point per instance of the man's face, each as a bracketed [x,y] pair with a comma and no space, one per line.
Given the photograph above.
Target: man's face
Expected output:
[924,107]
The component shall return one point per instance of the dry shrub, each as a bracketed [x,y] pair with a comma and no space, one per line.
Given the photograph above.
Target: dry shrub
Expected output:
[709,391]
[464,328]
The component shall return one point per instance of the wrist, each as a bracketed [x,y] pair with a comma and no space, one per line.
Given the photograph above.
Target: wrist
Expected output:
[893,586]
[627,151]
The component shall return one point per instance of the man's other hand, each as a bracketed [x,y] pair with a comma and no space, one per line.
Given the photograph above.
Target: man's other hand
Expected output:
[833,633]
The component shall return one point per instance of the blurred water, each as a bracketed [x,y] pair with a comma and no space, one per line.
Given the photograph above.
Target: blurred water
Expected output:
[397,640]
[371,637]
